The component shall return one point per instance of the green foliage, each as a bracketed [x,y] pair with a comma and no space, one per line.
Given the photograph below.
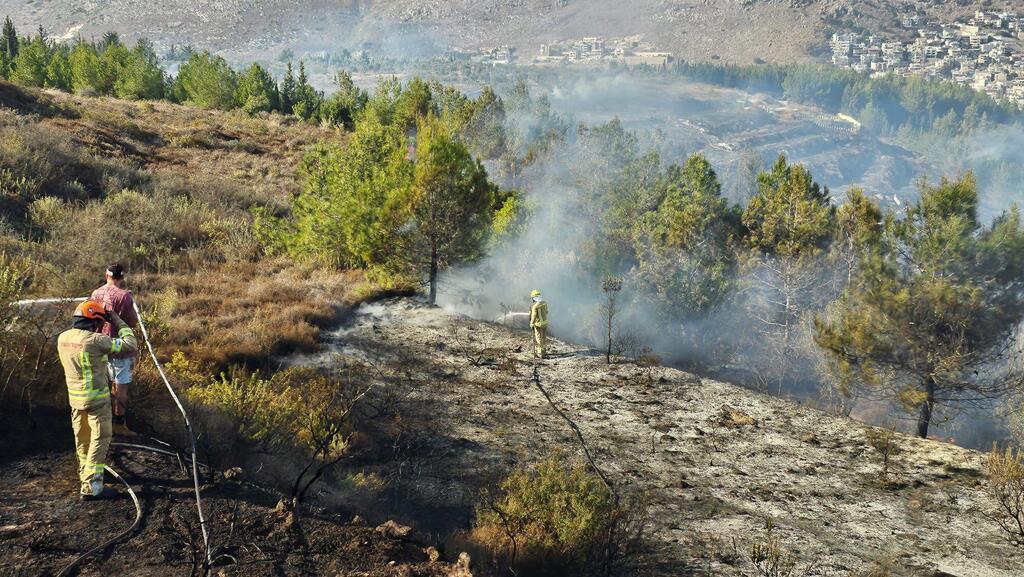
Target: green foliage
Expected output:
[933,305]
[58,71]
[549,519]
[305,100]
[263,410]
[287,90]
[451,206]
[343,106]
[485,126]
[136,73]
[371,205]
[206,81]
[9,42]
[85,69]
[511,218]
[297,413]
[256,91]
[29,66]
[684,246]
[349,212]
[790,215]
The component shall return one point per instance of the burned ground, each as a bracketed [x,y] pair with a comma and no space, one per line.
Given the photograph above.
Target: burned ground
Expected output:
[707,465]
[43,526]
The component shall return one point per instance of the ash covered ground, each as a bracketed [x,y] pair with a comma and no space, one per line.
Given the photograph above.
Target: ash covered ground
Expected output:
[707,464]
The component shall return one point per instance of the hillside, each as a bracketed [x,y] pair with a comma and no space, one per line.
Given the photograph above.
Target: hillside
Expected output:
[199,157]
[733,31]
[706,464]
[443,405]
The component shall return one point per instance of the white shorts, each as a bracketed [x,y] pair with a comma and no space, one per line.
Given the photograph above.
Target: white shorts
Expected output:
[121,370]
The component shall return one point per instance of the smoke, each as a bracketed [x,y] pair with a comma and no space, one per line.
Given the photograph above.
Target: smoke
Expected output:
[558,253]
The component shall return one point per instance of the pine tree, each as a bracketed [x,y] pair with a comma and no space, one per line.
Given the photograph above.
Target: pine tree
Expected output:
[789,223]
[85,69]
[306,100]
[684,245]
[207,81]
[931,319]
[347,101]
[29,67]
[256,90]
[287,90]
[109,40]
[9,40]
[452,204]
[58,71]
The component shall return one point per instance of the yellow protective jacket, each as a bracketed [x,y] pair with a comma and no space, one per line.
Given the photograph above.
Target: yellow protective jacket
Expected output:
[539,314]
[84,356]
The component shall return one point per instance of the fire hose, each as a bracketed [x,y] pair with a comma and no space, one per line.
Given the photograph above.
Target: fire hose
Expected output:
[188,428]
[67,570]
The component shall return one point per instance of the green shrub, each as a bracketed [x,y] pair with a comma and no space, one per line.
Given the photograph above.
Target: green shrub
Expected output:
[548,519]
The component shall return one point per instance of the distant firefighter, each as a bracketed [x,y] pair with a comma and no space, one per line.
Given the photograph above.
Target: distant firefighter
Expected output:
[539,323]
[83,351]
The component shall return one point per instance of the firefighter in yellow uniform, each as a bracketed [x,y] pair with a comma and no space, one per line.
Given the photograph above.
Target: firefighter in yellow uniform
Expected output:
[83,351]
[539,323]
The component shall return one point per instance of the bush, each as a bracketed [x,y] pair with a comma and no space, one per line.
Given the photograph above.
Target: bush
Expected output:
[1006,487]
[302,415]
[548,519]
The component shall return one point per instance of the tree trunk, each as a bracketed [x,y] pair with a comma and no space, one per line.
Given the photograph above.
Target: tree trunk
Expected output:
[925,418]
[608,353]
[433,275]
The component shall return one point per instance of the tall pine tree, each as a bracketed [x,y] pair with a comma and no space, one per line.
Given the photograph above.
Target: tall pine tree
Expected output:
[287,90]
[932,313]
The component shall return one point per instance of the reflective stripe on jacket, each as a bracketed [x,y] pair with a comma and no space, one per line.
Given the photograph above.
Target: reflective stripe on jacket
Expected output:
[539,314]
[84,357]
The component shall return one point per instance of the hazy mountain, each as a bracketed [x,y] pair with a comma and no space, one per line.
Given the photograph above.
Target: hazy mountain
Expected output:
[729,30]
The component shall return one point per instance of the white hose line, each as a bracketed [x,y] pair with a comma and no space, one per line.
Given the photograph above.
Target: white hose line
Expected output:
[177,401]
[138,518]
[28,302]
[188,428]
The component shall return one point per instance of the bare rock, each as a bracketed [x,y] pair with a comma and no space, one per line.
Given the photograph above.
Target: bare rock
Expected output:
[393,529]
[433,554]
[461,567]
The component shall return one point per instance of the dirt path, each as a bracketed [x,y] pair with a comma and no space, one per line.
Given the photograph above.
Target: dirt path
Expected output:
[711,461]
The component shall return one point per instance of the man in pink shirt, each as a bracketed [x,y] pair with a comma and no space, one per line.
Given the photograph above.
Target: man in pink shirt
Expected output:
[113,296]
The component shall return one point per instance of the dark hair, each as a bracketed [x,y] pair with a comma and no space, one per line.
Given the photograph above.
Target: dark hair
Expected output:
[116,271]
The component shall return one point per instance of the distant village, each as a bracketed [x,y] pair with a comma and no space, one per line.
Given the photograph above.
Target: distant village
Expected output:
[591,50]
[984,52]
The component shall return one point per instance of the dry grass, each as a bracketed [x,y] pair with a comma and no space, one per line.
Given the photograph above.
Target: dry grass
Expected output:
[245,313]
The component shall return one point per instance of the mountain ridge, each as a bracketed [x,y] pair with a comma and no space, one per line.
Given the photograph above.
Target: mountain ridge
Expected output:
[735,31]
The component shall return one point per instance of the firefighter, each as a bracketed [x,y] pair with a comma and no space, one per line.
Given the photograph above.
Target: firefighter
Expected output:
[114,297]
[539,323]
[83,351]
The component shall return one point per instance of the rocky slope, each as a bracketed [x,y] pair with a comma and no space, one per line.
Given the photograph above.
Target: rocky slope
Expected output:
[707,464]
[730,30]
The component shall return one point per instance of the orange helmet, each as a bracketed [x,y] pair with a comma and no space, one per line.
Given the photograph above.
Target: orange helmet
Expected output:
[91,310]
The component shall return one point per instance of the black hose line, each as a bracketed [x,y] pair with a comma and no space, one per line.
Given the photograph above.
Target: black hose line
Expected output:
[70,567]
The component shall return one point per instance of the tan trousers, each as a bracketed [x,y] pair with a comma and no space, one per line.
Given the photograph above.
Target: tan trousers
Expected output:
[540,340]
[92,441]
